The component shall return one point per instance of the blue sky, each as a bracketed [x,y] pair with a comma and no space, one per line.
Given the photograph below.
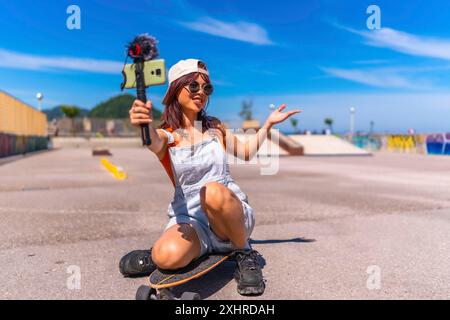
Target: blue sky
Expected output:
[316,55]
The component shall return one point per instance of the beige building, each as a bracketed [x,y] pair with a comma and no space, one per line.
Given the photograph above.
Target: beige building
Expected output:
[19,118]
[23,129]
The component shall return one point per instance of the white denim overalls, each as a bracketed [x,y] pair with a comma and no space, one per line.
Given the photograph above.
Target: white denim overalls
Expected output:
[193,166]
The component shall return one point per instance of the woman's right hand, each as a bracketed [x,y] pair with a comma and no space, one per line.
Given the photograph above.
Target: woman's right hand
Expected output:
[141,113]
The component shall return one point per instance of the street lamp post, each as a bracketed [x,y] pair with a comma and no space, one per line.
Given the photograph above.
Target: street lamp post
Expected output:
[39,97]
[352,120]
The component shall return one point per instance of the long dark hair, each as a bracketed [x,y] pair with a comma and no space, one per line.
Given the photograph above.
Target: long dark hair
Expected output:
[172,116]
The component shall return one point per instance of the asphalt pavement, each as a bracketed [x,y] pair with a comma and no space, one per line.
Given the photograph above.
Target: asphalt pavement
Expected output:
[327,227]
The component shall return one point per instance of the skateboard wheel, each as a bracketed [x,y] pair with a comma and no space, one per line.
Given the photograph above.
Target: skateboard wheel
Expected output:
[144,293]
[190,296]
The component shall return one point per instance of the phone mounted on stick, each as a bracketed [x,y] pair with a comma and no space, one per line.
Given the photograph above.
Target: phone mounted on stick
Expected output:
[145,71]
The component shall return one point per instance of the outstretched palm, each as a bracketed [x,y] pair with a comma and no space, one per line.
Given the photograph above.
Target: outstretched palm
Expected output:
[278,116]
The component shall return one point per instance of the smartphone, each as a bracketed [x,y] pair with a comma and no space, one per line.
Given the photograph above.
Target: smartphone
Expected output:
[154,74]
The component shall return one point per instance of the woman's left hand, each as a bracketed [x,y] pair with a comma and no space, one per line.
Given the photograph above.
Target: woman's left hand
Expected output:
[278,116]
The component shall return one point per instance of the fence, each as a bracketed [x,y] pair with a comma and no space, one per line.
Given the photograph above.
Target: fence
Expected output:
[11,144]
[91,127]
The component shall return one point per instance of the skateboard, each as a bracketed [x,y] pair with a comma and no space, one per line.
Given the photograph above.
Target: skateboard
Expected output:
[162,281]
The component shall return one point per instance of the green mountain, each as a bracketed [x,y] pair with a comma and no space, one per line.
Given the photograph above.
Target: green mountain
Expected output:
[56,112]
[117,107]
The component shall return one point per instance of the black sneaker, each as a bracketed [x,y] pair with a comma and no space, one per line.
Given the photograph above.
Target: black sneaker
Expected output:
[248,274]
[137,263]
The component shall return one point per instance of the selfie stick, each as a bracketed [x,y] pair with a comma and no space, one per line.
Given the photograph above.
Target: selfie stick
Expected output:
[141,49]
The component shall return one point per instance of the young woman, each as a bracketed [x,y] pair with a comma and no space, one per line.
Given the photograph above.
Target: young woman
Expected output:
[209,212]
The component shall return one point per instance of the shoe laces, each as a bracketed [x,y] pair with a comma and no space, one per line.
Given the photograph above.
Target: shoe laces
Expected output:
[248,260]
[145,260]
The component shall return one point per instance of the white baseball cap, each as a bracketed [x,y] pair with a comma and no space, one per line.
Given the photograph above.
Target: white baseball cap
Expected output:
[184,67]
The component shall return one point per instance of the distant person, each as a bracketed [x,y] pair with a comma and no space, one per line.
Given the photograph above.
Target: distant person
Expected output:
[54,126]
[209,212]
[49,142]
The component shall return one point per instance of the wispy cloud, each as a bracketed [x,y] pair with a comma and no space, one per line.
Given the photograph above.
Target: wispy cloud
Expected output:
[395,77]
[406,43]
[381,77]
[241,30]
[371,62]
[17,60]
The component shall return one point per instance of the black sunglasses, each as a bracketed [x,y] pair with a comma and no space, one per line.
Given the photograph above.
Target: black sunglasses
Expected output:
[194,87]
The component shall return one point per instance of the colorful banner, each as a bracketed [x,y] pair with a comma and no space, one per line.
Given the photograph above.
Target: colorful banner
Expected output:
[438,143]
[371,143]
[402,143]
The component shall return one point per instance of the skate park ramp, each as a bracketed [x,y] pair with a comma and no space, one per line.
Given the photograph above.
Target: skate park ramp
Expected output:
[327,145]
[268,148]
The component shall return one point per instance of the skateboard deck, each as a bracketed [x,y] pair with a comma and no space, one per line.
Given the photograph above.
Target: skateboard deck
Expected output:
[160,279]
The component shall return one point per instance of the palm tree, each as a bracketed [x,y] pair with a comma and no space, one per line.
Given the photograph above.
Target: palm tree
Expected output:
[71,112]
[294,123]
[246,112]
[329,123]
